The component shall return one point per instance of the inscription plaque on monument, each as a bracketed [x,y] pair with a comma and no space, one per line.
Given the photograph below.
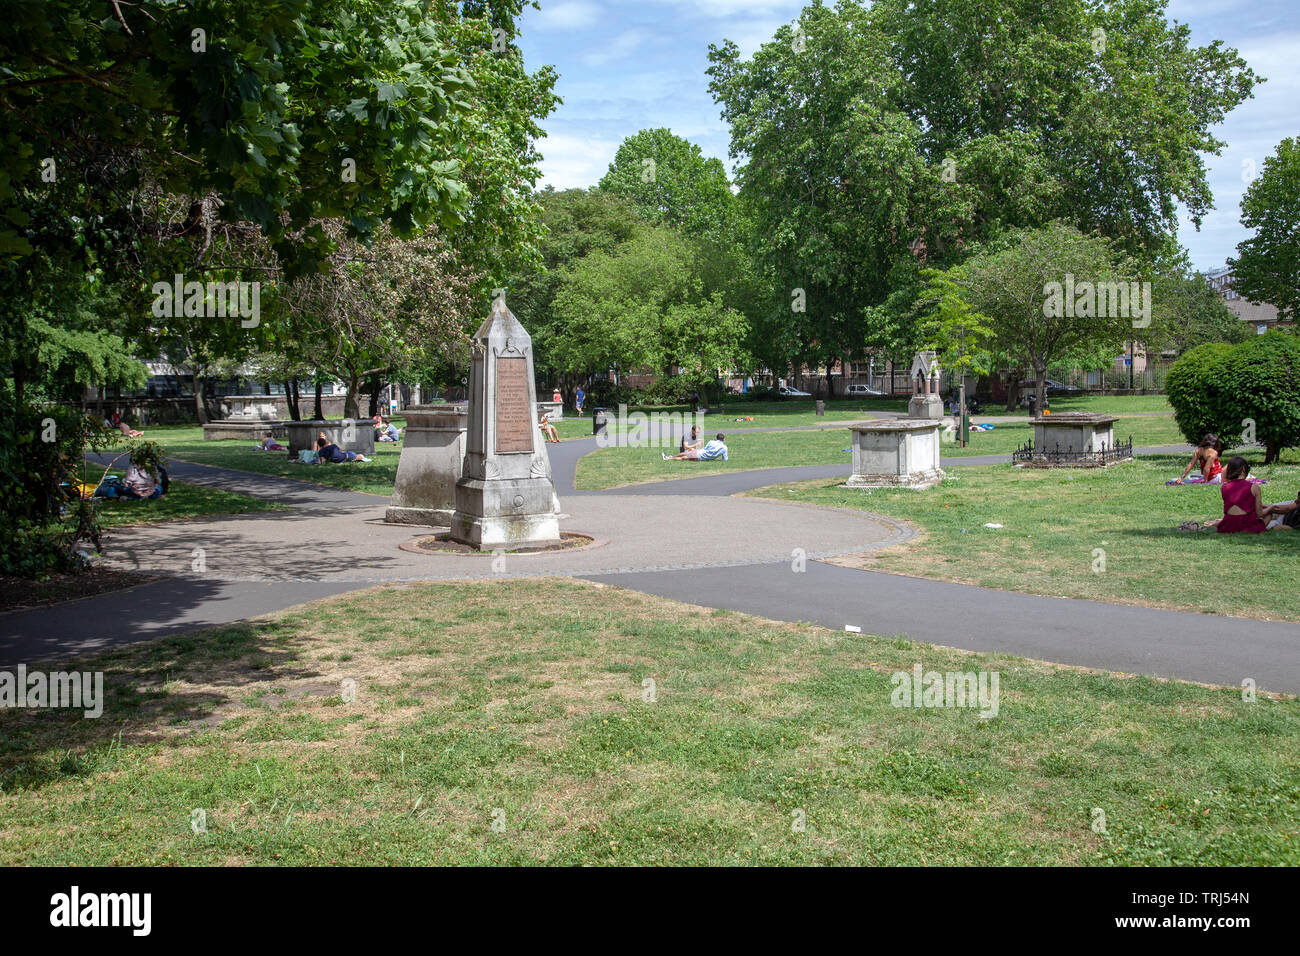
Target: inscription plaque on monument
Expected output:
[514,412]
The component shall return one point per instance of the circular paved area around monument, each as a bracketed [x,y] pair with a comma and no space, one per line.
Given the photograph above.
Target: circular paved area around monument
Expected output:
[643,533]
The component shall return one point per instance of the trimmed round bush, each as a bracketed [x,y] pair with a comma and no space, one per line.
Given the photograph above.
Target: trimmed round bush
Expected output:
[1192,386]
[1243,393]
[1260,383]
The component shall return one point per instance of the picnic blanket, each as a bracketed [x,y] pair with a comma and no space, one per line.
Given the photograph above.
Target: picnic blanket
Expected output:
[1199,480]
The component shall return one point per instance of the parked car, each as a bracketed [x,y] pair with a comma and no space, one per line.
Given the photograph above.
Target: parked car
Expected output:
[862,391]
[1053,386]
[789,391]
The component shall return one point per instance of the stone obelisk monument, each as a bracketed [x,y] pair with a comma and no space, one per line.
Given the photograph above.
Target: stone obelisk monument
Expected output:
[506,498]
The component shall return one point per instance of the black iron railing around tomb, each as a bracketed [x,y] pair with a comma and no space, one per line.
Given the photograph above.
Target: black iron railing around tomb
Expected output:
[1059,456]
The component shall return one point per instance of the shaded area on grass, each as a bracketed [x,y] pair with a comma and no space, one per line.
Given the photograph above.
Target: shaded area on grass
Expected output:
[375,477]
[461,719]
[182,500]
[19,593]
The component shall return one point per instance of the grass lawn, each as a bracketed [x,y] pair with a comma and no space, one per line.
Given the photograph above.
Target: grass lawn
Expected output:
[461,721]
[1055,520]
[1111,404]
[181,501]
[615,467]
[186,443]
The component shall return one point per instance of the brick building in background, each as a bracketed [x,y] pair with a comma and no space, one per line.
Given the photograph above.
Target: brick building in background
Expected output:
[1261,315]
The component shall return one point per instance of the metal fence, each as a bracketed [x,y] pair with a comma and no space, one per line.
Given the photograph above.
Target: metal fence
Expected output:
[1104,456]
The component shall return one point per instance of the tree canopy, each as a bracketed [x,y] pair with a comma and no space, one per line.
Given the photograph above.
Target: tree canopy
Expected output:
[870,135]
[1267,267]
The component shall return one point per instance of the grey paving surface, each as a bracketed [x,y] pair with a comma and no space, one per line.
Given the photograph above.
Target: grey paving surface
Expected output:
[1198,647]
[683,539]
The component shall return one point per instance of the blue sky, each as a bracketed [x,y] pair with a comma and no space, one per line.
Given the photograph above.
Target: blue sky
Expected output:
[627,65]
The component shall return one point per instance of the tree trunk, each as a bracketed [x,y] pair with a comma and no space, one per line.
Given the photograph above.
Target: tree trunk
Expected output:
[1013,390]
[291,399]
[376,386]
[351,408]
[200,406]
[1272,452]
[317,413]
[1040,390]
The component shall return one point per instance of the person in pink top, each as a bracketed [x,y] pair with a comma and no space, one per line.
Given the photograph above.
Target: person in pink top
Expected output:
[1243,507]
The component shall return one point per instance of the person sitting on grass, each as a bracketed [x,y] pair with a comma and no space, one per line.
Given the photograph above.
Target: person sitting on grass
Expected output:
[140,483]
[386,430]
[1206,460]
[1243,511]
[711,452]
[544,423]
[326,450]
[694,441]
[1284,516]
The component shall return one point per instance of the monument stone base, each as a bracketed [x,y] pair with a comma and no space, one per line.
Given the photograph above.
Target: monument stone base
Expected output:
[432,461]
[505,513]
[245,430]
[896,453]
[350,434]
[1073,440]
[925,407]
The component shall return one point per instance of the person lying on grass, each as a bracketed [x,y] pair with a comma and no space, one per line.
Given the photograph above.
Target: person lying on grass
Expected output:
[1243,509]
[328,451]
[712,451]
[1206,461]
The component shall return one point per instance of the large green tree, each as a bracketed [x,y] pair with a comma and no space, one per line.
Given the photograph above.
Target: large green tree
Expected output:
[1267,267]
[867,134]
[288,112]
[671,182]
[1098,114]
[643,305]
[1040,292]
[831,173]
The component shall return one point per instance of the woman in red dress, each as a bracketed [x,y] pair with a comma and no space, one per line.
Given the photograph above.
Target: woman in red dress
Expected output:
[1243,509]
[1206,460]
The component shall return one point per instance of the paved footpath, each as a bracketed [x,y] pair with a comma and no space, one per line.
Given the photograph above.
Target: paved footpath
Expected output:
[684,539]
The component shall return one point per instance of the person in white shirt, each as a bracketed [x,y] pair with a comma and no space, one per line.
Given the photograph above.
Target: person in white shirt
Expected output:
[714,450]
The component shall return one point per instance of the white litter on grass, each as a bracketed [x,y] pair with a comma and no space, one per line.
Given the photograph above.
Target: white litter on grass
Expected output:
[852,628]
[990,524]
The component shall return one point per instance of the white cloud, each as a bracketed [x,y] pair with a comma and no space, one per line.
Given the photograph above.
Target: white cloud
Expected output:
[575,161]
[603,52]
[569,15]
[722,9]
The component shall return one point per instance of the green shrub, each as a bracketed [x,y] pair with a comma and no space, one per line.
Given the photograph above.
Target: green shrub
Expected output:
[1246,392]
[1259,382]
[43,518]
[1192,385]
[606,393]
